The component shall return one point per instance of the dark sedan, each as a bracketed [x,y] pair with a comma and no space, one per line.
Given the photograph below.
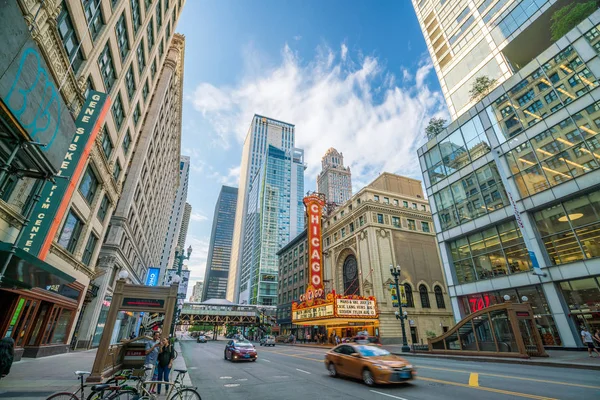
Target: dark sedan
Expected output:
[239,350]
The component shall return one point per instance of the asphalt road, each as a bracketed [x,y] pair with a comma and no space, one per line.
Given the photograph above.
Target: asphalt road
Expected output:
[285,372]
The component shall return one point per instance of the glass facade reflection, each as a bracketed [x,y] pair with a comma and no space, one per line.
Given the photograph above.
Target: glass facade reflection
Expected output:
[583,299]
[561,153]
[549,88]
[457,150]
[274,207]
[472,196]
[571,230]
[496,251]
[219,251]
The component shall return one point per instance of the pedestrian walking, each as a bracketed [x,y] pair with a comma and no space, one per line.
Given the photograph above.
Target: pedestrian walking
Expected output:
[166,356]
[597,336]
[586,336]
[7,355]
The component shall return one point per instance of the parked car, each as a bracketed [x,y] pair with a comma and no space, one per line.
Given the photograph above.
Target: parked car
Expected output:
[201,339]
[267,341]
[239,350]
[372,364]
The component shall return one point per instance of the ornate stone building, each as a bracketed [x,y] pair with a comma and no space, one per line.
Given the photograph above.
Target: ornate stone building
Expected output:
[140,222]
[389,223]
[334,180]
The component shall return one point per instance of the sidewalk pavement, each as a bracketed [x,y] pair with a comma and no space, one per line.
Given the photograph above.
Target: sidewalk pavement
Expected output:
[557,358]
[37,378]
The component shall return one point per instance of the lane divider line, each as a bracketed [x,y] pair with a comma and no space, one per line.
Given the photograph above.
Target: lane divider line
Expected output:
[525,395]
[388,395]
[474,379]
[301,370]
[512,377]
[265,360]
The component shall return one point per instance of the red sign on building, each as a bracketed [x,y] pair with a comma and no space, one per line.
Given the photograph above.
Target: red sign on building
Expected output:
[314,210]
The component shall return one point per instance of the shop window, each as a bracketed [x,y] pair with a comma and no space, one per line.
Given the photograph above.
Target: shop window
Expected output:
[439,297]
[424,297]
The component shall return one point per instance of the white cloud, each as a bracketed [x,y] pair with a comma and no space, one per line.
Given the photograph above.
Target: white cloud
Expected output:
[355,107]
[196,216]
[297,37]
[344,51]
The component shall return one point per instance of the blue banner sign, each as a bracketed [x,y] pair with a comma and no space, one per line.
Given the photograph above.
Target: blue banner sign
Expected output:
[152,278]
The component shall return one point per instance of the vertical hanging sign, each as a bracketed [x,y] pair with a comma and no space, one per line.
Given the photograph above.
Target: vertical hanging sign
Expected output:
[314,209]
[55,197]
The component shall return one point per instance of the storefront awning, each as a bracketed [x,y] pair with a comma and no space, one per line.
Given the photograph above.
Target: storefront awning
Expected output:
[27,271]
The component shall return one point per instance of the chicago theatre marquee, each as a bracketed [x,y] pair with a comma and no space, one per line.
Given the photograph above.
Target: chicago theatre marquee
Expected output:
[348,257]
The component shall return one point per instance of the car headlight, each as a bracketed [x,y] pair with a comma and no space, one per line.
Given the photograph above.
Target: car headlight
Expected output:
[381,366]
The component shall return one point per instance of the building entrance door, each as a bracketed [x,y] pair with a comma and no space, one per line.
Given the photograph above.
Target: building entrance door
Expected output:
[413,335]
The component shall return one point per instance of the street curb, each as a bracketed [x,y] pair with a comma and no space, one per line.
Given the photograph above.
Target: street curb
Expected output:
[464,358]
[179,363]
[504,361]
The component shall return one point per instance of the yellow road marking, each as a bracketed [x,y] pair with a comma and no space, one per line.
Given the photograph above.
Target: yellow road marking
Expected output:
[512,377]
[474,379]
[529,396]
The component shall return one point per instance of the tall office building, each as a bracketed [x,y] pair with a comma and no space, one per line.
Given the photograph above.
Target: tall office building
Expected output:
[334,180]
[176,218]
[513,186]
[117,48]
[140,221]
[219,251]
[274,216]
[197,290]
[263,132]
[472,38]
[185,223]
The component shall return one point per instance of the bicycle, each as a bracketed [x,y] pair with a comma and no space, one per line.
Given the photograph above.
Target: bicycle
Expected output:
[176,391]
[74,396]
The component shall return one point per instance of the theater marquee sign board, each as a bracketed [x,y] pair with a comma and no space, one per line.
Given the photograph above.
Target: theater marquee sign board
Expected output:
[335,306]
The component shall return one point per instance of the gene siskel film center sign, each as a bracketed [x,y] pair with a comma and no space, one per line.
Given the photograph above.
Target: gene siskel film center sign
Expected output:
[356,307]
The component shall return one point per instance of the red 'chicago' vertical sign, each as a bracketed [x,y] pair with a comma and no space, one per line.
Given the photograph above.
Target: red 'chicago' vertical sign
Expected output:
[314,209]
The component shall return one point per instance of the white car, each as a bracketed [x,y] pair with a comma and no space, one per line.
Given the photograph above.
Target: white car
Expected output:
[267,341]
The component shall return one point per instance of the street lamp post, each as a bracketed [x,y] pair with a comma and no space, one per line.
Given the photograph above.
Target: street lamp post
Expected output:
[399,314]
[179,258]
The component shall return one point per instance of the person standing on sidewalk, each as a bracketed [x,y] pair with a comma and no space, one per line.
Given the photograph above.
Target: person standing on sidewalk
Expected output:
[7,355]
[152,349]
[586,336]
[165,361]
[597,336]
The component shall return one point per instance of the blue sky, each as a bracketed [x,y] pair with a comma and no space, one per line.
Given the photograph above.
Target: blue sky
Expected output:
[354,75]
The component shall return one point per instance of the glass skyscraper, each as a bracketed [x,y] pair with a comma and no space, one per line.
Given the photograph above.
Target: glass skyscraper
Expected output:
[468,39]
[219,251]
[514,189]
[274,216]
[262,133]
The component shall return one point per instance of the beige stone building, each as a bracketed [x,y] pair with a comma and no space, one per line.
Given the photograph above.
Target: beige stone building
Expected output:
[123,48]
[389,223]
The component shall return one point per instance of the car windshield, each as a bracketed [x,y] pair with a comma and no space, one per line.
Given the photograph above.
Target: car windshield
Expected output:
[243,344]
[372,351]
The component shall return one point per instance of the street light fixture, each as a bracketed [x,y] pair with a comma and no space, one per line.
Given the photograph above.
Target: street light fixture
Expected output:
[179,258]
[395,271]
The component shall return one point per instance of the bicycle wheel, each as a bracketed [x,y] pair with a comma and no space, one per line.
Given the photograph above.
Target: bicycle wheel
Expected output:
[62,396]
[185,394]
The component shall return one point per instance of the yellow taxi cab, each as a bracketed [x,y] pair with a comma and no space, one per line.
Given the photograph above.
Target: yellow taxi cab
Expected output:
[372,364]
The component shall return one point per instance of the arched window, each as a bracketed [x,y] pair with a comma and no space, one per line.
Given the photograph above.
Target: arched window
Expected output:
[439,297]
[424,297]
[350,271]
[409,297]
